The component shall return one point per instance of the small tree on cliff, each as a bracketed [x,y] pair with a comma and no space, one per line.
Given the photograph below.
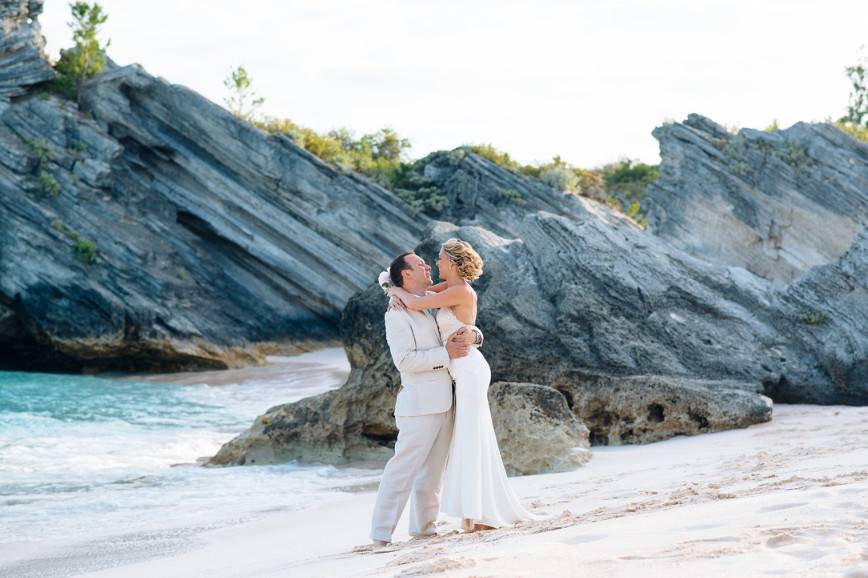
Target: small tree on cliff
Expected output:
[87,57]
[242,101]
[857,110]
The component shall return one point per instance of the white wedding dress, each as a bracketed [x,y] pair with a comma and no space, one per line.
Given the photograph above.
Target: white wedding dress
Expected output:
[475,485]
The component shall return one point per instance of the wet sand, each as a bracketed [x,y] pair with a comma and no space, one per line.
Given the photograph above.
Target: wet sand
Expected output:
[278,368]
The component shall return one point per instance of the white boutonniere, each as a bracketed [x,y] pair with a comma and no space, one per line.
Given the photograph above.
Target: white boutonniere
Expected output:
[385,281]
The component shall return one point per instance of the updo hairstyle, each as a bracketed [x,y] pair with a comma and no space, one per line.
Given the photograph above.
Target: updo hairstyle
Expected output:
[467,260]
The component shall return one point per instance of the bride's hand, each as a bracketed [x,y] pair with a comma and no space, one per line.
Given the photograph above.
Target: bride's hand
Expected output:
[465,335]
[395,304]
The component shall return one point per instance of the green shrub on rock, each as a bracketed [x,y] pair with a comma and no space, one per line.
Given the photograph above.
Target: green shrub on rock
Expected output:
[814,317]
[630,178]
[854,130]
[496,156]
[378,155]
[512,196]
[561,177]
[42,155]
[796,154]
[85,250]
[48,183]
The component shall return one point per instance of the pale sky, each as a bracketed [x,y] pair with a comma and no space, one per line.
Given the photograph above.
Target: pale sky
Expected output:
[583,79]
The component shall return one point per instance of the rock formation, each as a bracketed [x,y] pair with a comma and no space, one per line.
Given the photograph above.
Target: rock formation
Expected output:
[155,230]
[22,60]
[775,203]
[484,194]
[536,430]
[649,408]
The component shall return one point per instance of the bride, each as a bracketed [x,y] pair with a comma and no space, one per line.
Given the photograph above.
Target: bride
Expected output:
[475,486]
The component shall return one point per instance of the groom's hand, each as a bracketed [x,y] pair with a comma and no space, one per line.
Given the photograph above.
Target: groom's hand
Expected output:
[456,347]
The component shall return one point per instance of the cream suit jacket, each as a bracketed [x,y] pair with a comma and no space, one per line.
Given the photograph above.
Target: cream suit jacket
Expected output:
[418,353]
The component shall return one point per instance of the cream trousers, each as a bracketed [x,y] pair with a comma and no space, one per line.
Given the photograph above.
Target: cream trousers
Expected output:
[417,467]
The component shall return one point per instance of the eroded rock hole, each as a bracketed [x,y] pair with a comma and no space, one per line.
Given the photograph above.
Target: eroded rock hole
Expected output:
[656,413]
[380,434]
[701,420]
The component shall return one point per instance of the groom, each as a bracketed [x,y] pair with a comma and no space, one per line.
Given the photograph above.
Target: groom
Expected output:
[423,410]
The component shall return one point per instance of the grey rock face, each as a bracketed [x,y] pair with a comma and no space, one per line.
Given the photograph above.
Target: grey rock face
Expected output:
[484,194]
[825,310]
[214,242]
[650,408]
[22,60]
[611,299]
[775,203]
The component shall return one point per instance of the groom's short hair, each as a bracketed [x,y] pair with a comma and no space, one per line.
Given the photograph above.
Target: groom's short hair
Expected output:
[399,265]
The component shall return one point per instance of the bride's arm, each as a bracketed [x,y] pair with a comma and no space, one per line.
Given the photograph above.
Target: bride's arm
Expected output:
[441,286]
[456,295]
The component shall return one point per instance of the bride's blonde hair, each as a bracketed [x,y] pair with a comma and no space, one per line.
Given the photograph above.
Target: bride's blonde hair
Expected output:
[467,260]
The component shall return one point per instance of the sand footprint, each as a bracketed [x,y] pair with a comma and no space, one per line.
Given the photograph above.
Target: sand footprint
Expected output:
[782,539]
[777,507]
[437,567]
[584,539]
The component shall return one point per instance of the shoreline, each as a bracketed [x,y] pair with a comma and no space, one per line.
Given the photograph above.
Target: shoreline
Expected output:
[785,497]
[276,367]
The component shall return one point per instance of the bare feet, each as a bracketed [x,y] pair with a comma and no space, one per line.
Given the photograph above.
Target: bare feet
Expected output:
[380,543]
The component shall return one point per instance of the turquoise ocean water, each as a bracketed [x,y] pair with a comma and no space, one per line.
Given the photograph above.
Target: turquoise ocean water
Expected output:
[87,456]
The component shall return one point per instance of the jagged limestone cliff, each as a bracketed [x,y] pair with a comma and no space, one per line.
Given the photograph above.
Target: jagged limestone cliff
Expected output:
[774,202]
[152,229]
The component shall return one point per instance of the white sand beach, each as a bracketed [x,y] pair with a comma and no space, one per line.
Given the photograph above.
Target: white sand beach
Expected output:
[785,498]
